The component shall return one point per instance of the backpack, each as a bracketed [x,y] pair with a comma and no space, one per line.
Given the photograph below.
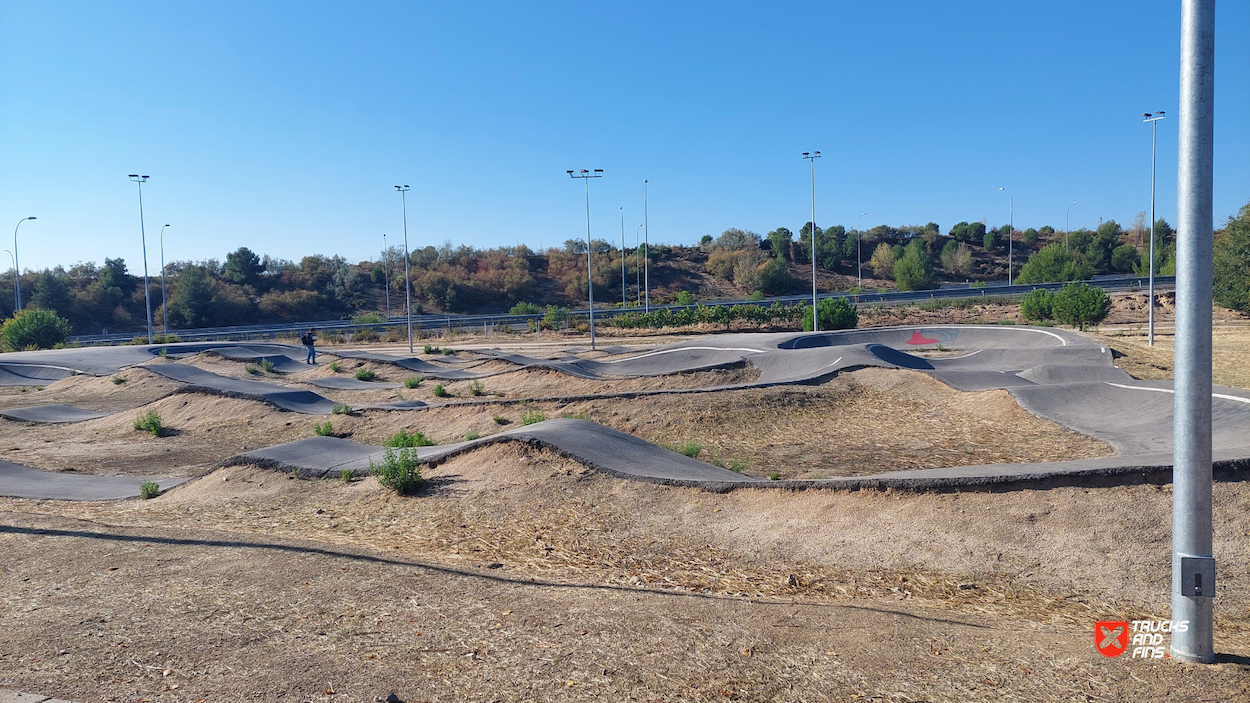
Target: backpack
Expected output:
[306,340]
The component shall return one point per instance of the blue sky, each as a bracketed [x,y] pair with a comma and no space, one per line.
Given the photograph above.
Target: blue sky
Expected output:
[284,126]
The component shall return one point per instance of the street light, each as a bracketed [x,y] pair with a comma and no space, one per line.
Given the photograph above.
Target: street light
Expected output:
[859,251]
[386,275]
[1011,231]
[586,175]
[646,255]
[17,272]
[164,300]
[1065,224]
[1154,130]
[812,156]
[147,294]
[637,268]
[403,195]
[623,286]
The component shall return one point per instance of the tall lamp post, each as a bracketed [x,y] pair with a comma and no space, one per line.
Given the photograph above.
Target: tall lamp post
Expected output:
[586,175]
[403,196]
[646,255]
[386,275]
[164,300]
[859,251]
[1011,235]
[811,157]
[147,293]
[1065,224]
[623,286]
[17,272]
[637,268]
[1154,130]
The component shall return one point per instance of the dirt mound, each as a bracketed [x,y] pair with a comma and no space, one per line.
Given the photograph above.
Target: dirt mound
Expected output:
[123,390]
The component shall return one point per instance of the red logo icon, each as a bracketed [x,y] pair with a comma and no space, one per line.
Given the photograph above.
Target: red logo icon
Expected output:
[918,338]
[1111,637]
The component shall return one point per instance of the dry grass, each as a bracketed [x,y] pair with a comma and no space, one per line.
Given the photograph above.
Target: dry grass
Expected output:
[1230,354]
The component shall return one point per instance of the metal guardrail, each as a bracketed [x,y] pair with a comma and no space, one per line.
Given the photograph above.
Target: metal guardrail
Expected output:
[430,322]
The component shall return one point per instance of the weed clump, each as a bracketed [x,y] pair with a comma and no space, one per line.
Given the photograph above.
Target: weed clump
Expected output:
[529,417]
[323,429]
[399,471]
[440,391]
[500,420]
[404,438]
[412,381]
[471,435]
[252,369]
[149,490]
[150,422]
[363,374]
[267,365]
[476,387]
[345,475]
[342,409]
[117,380]
[575,416]
[334,366]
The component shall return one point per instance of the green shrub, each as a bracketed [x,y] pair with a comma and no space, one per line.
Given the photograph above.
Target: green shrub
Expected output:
[265,364]
[500,420]
[734,465]
[149,490]
[252,369]
[774,476]
[431,350]
[117,380]
[412,381]
[524,308]
[575,416]
[471,435]
[529,417]
[690,449]
[345,475]
[399,471]
[439,391]
[835,314]
[756,295]
[404,438]
[1080,304]
[369,318]
[476,387]
[363,374]
[448,352]
[1231,262]
[342,409]
[150,422]
[34,328]
[555,317]
[685,298]
[1037,305]
[323,429]
[334,366]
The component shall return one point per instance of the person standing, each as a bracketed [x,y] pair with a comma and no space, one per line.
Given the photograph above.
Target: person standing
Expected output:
[309,340]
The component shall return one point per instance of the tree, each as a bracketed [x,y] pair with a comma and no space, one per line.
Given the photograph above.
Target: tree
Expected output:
[243,267]
[775,276]
[33,327]
[735,239]
[1037,305]
[1030,236]
[114,275]
[1080,304]
[1052,263]
[705,240]
[990,240]
[1232,262]
[779,241]
[957,258]
[915,270]
[192,301]
[52,293]
[1125,258]
[882,261]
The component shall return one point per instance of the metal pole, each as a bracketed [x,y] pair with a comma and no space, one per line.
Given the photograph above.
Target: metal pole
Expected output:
[859,251]
[1065,224]
[1154,132]
[623,286]
[164,299]
[646,255]
[17,271]
[1011,228]
[1192,594]
[590,271]
[637,268]
[403,194]
[815,314]
[147,294]
[386,276]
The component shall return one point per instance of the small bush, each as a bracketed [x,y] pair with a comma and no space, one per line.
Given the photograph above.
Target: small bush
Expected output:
[756,295]
[404,438]
[1080,304]
[685,298]
[439,391]
[40,329]
[500,420]
[117,380]
[412,381]
[149,490]
[363,374]
[252,369]
[334,366]
[431,350]
[835,314]
[529,417]
[774,476]
[471,435]
[369,318]
[342,409]
[690,449]
[267,365]
[150,422]
[575,416]
[323,429]
[448,352]
[1037,305]
[476,387]
[525,308]
[345,475]
[399,471]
